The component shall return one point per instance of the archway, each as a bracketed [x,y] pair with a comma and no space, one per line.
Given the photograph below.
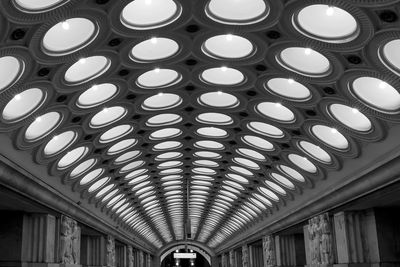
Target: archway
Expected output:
[204,258]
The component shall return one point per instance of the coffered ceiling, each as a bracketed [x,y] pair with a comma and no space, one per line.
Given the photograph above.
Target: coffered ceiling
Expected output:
[198,119]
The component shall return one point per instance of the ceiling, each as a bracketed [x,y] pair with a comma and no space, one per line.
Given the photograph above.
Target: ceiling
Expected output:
[198,117]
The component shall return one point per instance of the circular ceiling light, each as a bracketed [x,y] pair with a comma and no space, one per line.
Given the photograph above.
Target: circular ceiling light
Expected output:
[167,145]
[150,14]
[305,61]
[11,70]
[251,154]
[163,120]
[268,193]
[219,100]
[158,78]
[351,117]
[326,23]
[96,95]
[170,164]
[165,133]
[59,143]
[276,111]
[154,49]
[292,173]
[168,155]
[389,55]
[222,76]
[207,154]
[227,46]
[121,146]
[127,157]
[115,133]
[105,190]
[265,129]
[212,132]
[303,163]
[42,126]
[275,187]
[38,6]
[98,184]
[162,101]
[131,166]
[246,163]
[107,116]
[258,142]
[288,88]
[315,152]
[214,118]
[376,93]
[87,69]
[23,104]
[238,12]
[241,170]
[205,163]
[330,136]
[72,157]
[91,176]
[282,180]
[208,144]
[68,36]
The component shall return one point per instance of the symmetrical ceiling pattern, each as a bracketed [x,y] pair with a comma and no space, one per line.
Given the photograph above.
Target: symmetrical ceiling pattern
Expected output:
[168,114]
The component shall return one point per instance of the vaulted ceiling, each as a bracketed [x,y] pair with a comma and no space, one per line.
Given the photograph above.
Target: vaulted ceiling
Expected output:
[176,117]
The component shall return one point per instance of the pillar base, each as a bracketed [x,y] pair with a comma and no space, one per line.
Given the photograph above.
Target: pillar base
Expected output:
[356,265]
[39,264]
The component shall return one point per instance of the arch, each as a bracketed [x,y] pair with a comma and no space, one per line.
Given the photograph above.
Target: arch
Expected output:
[196,246]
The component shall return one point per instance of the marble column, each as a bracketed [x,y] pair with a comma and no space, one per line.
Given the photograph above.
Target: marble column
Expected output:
[141,259]
[356,238]
[318,241]
[39,240]
[131,257]
[93,250]
[285,250]
[269,254]
[70,242]
[232,262]
[245,256]
[224,259]
[148,260]
[110,250]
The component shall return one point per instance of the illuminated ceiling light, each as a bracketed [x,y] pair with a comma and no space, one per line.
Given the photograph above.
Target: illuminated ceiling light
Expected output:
[229,37]
[153,40]
[17,97]
[82,61]
[224,68]
[65,25]
[307,51]
[330,11]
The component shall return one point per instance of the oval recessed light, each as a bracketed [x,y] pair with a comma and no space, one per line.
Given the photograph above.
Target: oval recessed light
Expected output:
[23,104]
[305,61]
[150,14]
[326,23]
[68,36]
[156,48]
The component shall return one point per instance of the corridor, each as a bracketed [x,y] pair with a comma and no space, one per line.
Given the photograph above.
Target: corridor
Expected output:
[215,133]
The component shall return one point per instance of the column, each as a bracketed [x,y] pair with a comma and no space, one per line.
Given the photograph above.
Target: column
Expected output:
[232,262]
[148,260]
[290,250]
[131,257]
[110,250]
[120,255]
[245,256]
[224,260]
[269,254]
[93,250]
[39,236]
[356,238]
[141,259]
[318,240]
[70,242]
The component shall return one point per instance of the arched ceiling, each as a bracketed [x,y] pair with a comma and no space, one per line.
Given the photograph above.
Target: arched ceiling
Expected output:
[211,116]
